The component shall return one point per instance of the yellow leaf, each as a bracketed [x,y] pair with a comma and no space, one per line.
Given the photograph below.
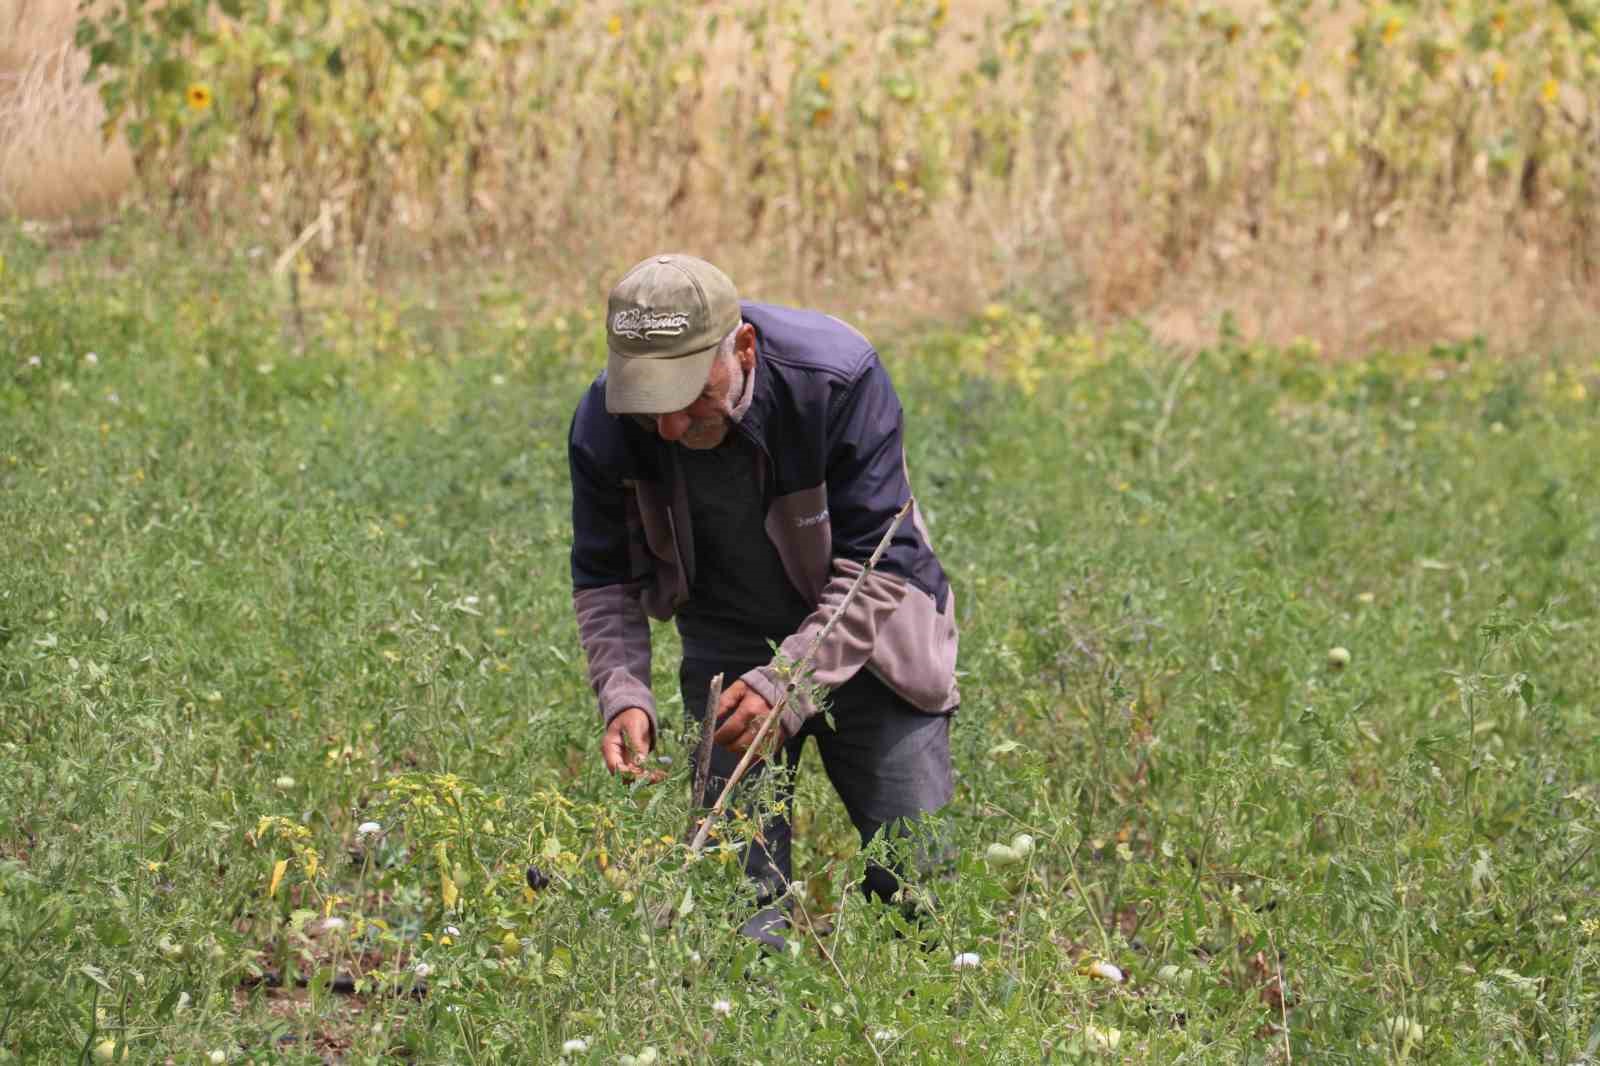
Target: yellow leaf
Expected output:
[447,888]
[277,877]
[311,864]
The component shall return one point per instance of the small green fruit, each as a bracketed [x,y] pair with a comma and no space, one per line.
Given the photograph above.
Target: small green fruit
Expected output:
[1001,855]
[106,1051]
[1177,976]
[1022,844]
[1338,658]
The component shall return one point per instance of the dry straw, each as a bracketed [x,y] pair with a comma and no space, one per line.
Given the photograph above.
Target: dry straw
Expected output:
[55,161]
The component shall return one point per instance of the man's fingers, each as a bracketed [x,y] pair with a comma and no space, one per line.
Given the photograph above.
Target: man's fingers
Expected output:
[732,728]
[731,697]
[626,742]
[611,751]
[738,730]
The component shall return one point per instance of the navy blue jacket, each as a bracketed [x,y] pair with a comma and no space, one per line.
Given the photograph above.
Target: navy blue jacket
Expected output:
[827,426]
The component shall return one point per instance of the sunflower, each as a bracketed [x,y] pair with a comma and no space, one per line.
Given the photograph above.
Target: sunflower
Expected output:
[199,97]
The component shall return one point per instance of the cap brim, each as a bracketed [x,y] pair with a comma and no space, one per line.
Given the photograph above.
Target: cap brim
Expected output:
[654,386]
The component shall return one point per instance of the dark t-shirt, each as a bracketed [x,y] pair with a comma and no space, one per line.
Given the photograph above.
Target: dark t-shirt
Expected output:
[741,597]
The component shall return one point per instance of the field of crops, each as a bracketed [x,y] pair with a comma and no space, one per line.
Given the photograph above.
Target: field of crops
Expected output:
[290,687]
[1360,173]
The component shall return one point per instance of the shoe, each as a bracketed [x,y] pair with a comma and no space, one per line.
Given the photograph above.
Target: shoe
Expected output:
[766,927]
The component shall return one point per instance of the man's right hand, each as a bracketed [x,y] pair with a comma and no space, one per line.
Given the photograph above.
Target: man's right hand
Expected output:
[628,740]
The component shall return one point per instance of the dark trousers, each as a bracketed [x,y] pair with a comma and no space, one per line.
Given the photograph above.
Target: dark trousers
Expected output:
[888,762]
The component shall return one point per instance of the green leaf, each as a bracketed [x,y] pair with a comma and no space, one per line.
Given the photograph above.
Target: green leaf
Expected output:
[169,74]
[97,975]
[111,933]
[104,53]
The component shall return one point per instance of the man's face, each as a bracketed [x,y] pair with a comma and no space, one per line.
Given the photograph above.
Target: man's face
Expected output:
[705,422]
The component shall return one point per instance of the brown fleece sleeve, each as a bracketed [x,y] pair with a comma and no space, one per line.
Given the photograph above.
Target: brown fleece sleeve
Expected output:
[615,635]
[848,646]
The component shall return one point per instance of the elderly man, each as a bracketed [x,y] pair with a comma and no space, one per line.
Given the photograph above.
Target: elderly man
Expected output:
[733,469]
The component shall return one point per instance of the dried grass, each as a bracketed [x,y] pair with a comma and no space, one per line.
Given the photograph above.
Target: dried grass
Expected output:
[54,160]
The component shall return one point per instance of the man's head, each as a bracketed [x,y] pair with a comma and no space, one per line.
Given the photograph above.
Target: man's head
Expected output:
[705,421]
[678,353]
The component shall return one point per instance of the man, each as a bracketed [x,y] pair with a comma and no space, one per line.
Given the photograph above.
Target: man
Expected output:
[733,469]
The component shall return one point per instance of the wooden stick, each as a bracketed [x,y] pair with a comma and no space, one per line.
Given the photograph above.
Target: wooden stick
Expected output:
[799,671]
[701,758]
[702,750]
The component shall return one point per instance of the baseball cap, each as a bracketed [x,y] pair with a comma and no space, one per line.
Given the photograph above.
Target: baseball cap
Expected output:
[663,323]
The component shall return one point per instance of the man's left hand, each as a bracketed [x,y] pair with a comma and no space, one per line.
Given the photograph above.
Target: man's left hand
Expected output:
[737,730]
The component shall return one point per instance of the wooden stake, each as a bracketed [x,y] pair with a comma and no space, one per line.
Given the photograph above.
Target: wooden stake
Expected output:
[701,759]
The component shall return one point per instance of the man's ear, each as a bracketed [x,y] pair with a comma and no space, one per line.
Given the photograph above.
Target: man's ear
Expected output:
[744,346]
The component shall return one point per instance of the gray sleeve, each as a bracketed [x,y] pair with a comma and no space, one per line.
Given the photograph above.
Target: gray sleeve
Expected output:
[847,648]
[615,635]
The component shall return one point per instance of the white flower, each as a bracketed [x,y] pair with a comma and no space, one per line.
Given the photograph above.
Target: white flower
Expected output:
[722,1008]
[284,782]
[883,1036]
[576,1046]
[91,358]
[217,1056]
[422,969]
[34,360]
[497,380]
[332,925]
[967,960]
[451,930]
[367,829]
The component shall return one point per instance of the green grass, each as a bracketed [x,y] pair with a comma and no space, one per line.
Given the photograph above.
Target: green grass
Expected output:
[261,583]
